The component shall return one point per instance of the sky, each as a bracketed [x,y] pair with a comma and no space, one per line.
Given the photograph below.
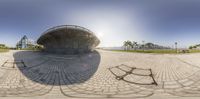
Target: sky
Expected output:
[113,21]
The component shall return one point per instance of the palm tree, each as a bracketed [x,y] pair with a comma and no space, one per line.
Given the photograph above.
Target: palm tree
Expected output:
[135,45]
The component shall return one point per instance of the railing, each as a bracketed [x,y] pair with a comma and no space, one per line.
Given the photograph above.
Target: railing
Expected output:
[67,26]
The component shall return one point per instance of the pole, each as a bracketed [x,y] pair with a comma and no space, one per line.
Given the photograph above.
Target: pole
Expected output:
[143,45]
[176,47]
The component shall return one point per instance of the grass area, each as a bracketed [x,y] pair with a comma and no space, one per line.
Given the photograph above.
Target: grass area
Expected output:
[194,51]
[149,51]
[4,50]
[156,51]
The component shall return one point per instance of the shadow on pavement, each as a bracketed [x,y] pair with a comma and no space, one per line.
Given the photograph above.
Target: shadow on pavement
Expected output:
[52,69]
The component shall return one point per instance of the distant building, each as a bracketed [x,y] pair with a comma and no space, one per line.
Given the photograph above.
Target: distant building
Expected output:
[23,43]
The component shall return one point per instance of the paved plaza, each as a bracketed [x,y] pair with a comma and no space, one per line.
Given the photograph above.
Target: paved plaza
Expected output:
[100,74]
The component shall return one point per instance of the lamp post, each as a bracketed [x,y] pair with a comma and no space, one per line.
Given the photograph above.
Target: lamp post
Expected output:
[143,45]
[176,47]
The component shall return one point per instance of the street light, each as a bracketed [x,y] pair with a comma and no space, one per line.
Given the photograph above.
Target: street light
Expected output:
[143,45]
[176,47]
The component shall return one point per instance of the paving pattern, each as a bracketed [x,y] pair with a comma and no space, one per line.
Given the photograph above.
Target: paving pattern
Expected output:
[101,74]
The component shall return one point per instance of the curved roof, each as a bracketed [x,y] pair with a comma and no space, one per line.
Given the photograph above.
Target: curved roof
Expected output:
[67,27]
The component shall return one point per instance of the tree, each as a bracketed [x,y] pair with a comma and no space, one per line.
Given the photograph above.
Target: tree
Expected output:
[149,45]
[127,45]
[191,47]
[3,46]
[130,45]
[135,45]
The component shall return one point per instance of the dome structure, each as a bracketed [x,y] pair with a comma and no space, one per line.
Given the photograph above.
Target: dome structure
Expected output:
[68,39]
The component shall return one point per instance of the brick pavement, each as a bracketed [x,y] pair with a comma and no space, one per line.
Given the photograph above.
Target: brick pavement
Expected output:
[102,74]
